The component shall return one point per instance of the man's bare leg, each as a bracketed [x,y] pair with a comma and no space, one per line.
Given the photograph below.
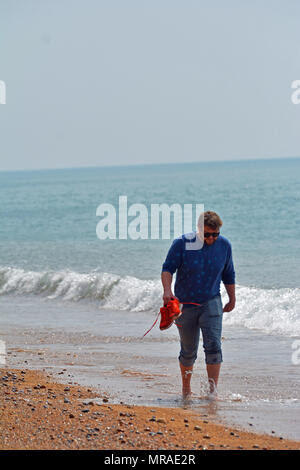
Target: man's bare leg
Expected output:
[186,374]
[213,371]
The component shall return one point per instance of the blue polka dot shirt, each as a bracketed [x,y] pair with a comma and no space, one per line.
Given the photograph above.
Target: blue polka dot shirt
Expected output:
[199,272]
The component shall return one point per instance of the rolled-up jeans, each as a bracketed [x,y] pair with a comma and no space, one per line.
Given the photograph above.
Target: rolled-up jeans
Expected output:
[207,318]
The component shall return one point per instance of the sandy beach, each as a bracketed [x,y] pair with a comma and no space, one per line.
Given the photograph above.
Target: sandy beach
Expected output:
[40,413]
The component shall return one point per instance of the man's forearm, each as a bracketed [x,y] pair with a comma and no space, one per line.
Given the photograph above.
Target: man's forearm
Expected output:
[166,279]
[230,288]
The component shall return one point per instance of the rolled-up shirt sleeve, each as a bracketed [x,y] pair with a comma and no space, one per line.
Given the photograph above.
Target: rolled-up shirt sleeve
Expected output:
[228,274]
[174,257]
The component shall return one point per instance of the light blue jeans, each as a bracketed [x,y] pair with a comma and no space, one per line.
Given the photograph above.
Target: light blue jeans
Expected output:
[207,318]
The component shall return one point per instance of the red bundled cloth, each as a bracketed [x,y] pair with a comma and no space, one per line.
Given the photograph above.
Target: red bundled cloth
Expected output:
[169,313]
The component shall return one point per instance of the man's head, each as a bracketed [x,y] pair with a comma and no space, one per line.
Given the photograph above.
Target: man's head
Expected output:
[209,224]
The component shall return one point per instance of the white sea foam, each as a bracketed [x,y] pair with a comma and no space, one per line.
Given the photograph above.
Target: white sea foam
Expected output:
[269,310]
[273,311]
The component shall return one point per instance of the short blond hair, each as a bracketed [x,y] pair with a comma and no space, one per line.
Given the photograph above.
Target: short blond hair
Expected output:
[210,219]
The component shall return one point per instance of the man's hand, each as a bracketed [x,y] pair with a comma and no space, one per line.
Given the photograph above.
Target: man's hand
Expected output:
[230,288]
[229,306]
[168,295]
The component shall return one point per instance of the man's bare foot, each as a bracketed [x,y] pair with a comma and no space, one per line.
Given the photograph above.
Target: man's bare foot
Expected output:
[186,393]
[213,392]
[213,396]
[186,398]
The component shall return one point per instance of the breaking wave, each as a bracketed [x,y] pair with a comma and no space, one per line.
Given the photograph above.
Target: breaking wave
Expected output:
[273,311]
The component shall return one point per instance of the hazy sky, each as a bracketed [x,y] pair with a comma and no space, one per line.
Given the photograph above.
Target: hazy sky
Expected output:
[109,82]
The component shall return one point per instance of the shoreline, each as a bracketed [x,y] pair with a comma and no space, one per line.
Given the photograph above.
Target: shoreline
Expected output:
[39,413]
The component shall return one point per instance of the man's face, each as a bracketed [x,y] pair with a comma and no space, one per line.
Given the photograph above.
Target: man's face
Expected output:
[210,240]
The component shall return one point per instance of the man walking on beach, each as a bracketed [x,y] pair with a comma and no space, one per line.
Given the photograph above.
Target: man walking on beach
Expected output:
[198,278]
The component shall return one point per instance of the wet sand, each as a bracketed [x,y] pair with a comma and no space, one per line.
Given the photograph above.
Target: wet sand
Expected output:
[37,412]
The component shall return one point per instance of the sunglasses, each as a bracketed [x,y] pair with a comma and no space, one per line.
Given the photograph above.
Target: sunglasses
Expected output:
[214,234]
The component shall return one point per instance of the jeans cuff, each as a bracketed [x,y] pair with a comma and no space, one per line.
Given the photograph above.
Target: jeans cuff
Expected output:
[214,358]
[186,362]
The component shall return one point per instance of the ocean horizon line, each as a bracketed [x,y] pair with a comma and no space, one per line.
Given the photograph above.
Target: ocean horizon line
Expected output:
[139,165]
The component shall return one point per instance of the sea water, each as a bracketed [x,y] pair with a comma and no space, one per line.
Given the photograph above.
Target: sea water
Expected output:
[72,301]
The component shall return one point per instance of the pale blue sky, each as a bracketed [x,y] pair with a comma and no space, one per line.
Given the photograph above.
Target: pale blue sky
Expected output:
[117,82]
